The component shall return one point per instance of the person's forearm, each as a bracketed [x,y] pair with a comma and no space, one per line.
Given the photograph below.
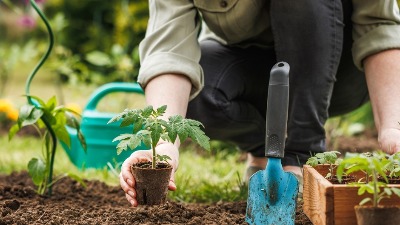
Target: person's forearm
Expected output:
[172,90]
[383,78]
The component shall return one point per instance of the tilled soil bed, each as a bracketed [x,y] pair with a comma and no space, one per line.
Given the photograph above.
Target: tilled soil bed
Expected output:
[99,203]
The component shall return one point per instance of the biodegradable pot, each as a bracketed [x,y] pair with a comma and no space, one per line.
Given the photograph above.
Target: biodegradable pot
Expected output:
[369,215]
[151,184]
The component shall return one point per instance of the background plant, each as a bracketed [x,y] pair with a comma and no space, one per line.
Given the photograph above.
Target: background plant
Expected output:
[329,157]
[372,164]
[49,119]
[392,168]
[149,128]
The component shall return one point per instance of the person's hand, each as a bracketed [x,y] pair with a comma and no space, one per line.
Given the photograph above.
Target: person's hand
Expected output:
[389,140]
[126,179]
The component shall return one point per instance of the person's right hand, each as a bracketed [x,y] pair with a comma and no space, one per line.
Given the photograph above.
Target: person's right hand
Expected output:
[126,179]
[389,140]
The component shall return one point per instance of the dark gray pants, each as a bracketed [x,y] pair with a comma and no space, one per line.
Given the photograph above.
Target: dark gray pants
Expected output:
[314,37]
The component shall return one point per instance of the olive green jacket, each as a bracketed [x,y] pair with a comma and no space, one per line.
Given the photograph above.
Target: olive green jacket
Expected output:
[172,39]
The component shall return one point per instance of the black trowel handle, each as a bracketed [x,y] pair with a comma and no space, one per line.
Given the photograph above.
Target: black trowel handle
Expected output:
[277,110]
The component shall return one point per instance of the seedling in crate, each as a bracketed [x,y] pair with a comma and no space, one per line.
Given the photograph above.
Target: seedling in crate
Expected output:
[329,157]
[373,165]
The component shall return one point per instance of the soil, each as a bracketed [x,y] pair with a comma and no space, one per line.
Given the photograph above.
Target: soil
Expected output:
[345,179]
[99,203]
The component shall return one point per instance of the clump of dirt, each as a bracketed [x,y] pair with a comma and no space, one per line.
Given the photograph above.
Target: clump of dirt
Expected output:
[98,203]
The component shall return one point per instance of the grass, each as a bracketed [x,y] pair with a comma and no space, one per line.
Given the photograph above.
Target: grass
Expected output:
[201,177]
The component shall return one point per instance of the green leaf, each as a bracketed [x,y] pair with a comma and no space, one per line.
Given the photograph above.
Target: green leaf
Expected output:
[362,190]
[51,104]
[312,161]
[122,146]
[13,130]
[77,179]
[37,170]
[62,134]
[134,141]
[138,125]
[163,158]
[82,140]
[122,137]
[98,58]
[156,131]
[145,136]
[35,115]
[199,137]
[161,110]
[71,121]
[127,121]
[387,191]
[38,100]
[365,200]
[340,171]
[147,111]
[25,111]
[50,118]
[117,117]
[165,137]
[396,191]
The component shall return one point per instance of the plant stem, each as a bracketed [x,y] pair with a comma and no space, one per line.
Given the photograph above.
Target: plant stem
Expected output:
[375,182]
[45,56]
[52,155]
[153,160]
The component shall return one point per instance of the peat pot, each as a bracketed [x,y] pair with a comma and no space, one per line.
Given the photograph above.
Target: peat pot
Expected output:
[369,215]
[151,184]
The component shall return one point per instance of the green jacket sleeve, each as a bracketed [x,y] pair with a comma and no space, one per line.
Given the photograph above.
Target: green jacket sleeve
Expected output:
[376,27]
[170,44]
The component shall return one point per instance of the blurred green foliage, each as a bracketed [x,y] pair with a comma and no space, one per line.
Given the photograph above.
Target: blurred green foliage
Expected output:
[98,24]
[104,35]
[96,40]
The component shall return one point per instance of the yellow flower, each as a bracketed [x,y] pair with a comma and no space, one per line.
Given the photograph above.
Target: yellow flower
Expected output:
[12,114]
[74,107]
[8,110]
[5,105]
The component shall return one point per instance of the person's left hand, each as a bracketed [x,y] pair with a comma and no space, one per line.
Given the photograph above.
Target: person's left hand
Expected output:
[389,140]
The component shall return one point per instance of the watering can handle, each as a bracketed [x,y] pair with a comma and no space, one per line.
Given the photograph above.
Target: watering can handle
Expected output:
[109,88]
[277,110]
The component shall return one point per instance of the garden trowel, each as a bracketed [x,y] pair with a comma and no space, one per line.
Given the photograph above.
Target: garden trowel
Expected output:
[273,192]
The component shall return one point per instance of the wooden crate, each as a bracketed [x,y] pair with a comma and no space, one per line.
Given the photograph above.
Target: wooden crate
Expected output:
[332,204]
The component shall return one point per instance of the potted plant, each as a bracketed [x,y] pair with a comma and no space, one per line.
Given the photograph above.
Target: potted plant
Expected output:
[149,128]
[373,165]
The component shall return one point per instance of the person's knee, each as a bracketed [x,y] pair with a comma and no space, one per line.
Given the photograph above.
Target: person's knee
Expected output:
[207,108]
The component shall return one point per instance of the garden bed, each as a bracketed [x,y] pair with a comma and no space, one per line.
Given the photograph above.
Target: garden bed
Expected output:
[99,203]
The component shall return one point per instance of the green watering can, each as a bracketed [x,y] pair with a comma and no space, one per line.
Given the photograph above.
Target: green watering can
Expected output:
[99,134]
